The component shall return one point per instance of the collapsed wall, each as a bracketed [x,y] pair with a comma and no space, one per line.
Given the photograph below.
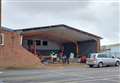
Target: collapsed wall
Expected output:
[12,54]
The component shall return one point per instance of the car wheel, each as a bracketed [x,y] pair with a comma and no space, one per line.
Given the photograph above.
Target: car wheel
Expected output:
[90,65]
[117,63]
[100,65]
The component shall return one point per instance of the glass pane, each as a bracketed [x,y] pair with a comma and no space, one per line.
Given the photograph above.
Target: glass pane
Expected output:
[38,42]
[45,43]
[30,42]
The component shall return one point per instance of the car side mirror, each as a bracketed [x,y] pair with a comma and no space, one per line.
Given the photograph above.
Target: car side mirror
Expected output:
[113,57]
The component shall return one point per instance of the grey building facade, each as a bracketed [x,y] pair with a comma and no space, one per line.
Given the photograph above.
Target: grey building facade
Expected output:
[113,49]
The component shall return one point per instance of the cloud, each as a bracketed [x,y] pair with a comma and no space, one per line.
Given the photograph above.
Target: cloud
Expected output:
[97,17]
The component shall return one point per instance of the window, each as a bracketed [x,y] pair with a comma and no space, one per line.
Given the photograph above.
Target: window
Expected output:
[1,39]
[38,42]
[100,56]
[30,42]
[93,56]
[45,43]
[104,56]
[109,56]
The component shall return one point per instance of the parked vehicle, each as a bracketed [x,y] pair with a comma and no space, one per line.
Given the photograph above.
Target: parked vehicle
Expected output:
[102,59]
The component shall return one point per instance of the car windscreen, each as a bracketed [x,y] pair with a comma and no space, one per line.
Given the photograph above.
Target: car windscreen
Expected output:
[92,56]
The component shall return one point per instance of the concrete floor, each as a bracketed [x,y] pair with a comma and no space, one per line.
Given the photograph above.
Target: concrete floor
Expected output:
[62,75]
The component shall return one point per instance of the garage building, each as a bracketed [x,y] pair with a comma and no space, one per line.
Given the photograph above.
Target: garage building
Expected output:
[42,40]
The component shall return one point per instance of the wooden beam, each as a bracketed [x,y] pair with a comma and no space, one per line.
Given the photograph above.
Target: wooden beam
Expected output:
[34,42]
[98,45]
[21,39]
[49,36]
[77,48]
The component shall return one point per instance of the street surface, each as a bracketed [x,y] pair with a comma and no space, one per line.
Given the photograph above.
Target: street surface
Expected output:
[62,75]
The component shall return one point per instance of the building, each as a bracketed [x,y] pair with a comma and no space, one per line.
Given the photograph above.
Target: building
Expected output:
[42,40]
[23,47]
[114,49]
[12,54]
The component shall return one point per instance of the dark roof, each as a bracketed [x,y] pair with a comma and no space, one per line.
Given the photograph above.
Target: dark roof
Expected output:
[54,26]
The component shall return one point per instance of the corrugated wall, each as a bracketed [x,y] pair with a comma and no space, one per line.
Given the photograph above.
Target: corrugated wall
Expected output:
[87,47]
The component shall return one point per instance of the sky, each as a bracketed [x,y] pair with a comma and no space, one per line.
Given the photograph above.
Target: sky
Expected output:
[99,17]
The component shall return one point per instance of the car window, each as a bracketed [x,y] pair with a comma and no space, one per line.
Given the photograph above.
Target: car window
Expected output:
[92,56]
[110,56]
[100,56]
[105,56]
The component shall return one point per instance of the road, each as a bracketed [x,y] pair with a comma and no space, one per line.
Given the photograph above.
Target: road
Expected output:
[62,75]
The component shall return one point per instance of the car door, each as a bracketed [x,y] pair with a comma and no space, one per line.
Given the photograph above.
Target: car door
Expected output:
[111,60]
[106,59]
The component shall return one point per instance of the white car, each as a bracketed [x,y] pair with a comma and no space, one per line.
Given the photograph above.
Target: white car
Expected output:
[102,59]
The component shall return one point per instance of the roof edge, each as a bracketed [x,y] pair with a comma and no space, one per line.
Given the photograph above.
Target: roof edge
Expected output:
[51,26]
[7,29]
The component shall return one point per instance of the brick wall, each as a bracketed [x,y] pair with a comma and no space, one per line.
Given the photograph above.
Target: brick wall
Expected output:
[12,54]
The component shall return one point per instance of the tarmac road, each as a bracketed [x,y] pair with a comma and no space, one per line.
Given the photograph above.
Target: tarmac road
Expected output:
[62,75]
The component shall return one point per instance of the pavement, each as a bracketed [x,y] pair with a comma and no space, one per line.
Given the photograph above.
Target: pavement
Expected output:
[64,74]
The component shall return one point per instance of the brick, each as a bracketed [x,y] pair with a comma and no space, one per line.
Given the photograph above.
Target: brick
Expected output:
[12,54]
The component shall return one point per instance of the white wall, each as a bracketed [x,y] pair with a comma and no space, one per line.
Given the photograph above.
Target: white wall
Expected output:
[114,50]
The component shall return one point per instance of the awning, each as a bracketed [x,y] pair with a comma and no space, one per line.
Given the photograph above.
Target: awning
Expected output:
[59,33]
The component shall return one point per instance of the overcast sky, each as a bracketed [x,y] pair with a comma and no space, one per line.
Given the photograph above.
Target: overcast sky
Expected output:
[100,17]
